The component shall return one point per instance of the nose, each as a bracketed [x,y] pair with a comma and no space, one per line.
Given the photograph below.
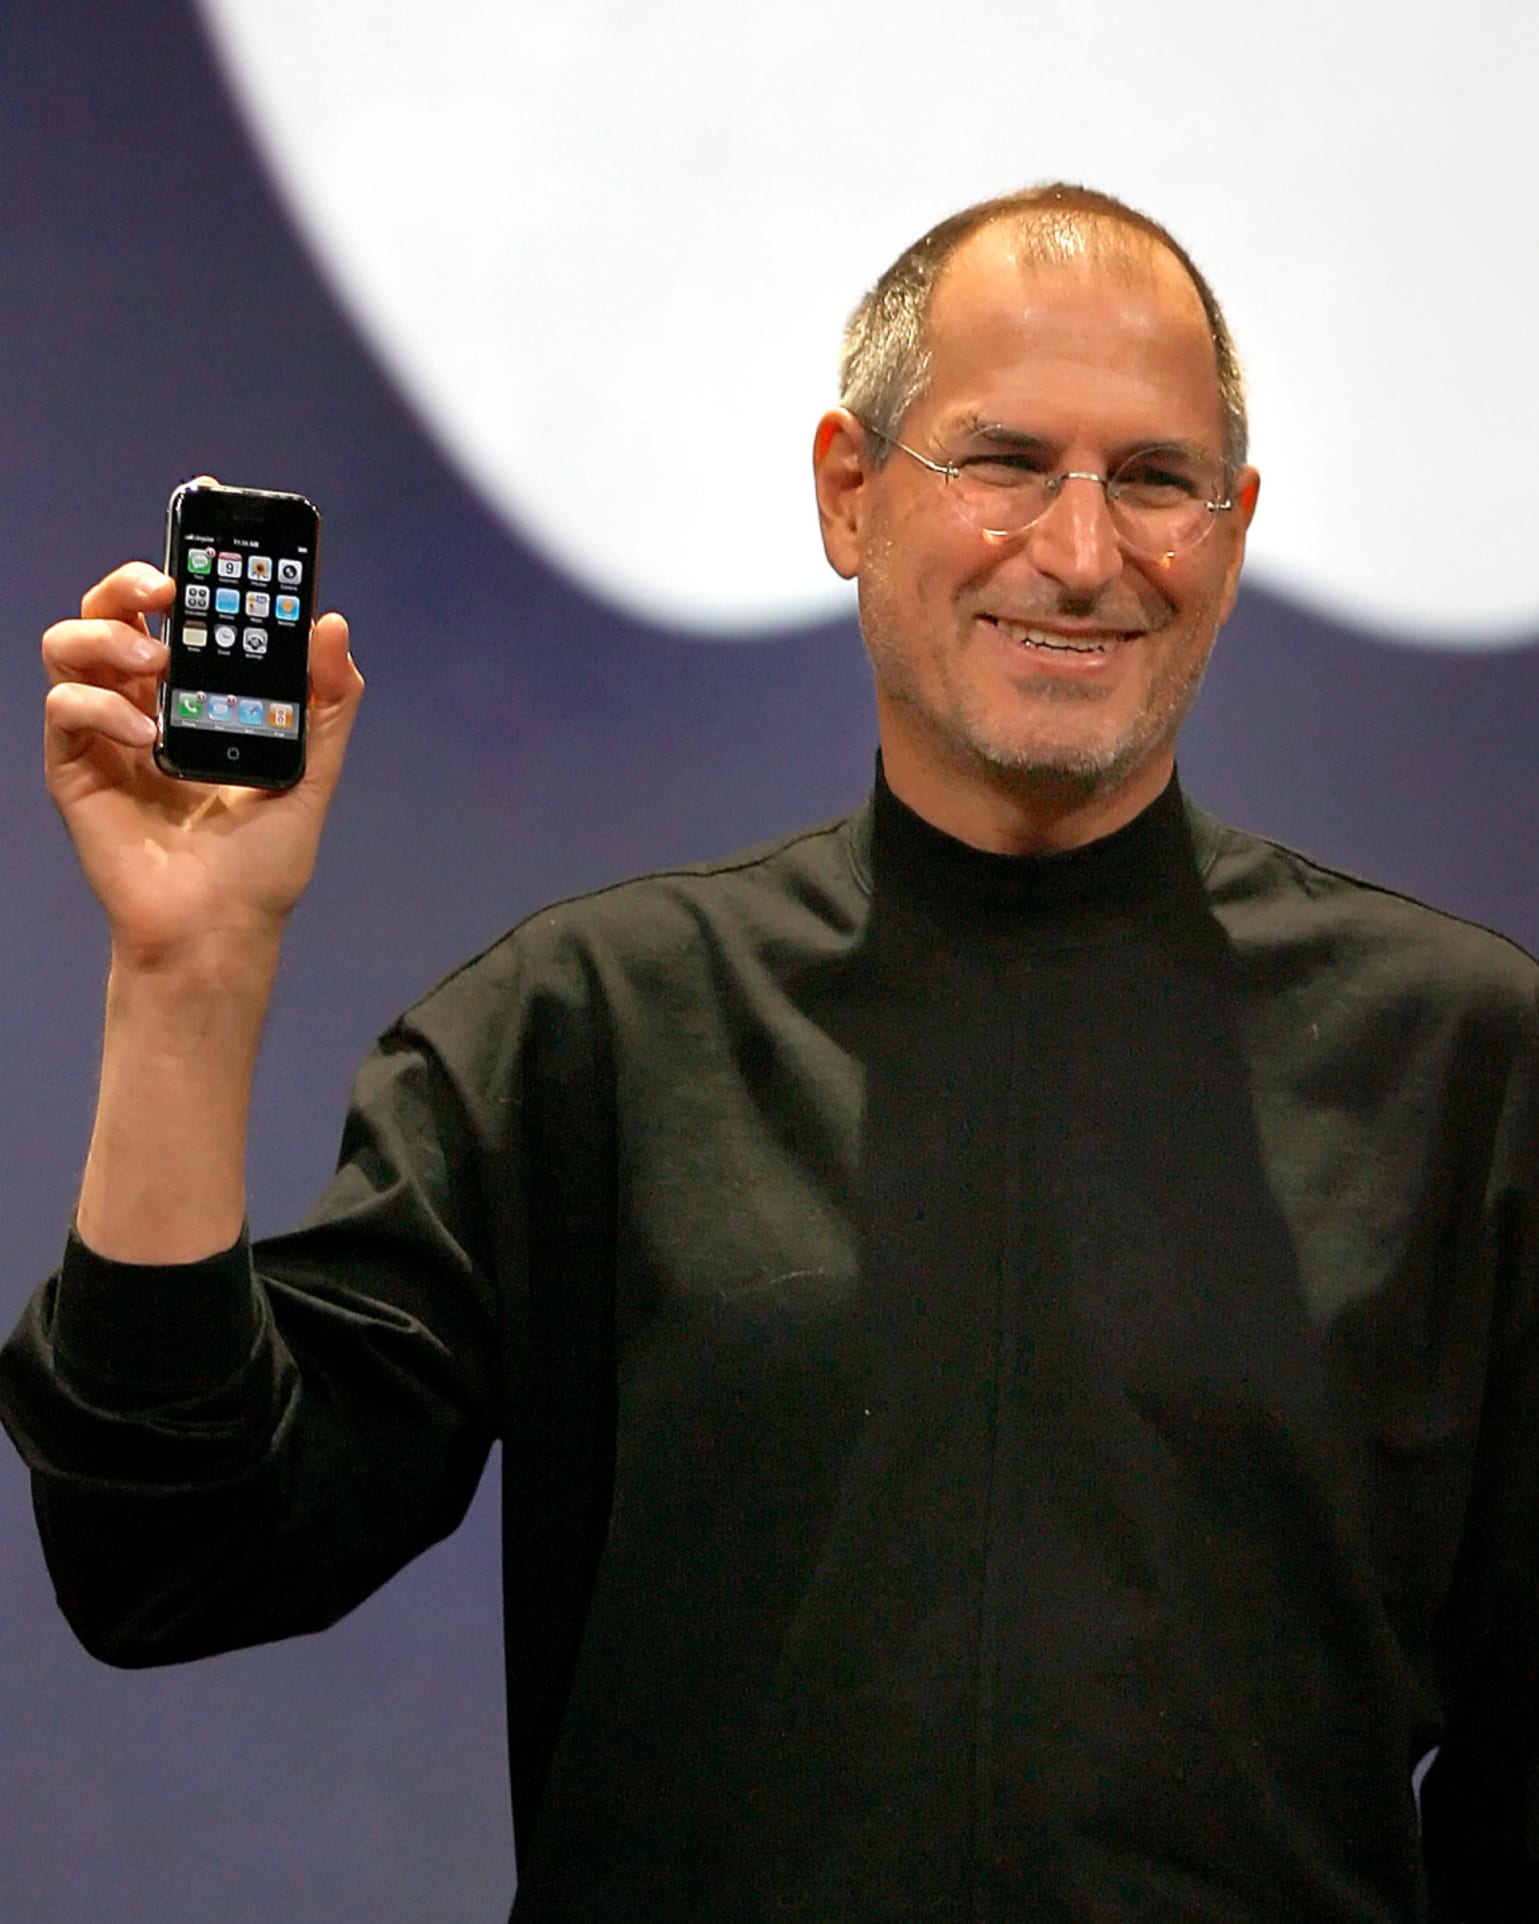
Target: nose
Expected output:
[1074,541]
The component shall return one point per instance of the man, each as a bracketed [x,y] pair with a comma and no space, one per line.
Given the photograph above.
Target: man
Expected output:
[1012,1317]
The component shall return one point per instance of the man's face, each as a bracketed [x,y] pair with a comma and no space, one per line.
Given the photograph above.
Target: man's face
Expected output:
[1052,659]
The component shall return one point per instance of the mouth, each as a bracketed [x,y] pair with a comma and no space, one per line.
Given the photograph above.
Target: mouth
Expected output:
[1055,641]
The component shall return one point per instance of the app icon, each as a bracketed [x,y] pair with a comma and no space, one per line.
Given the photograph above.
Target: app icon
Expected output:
[290,573]
[195,596]
[257,604]
[287,607]
[280,715]
[188,706]
[230,566]
[224,636]
[200,561]
[221,707]
[254,640]
[194,635]
[226,600]
[252,712]
[259,567]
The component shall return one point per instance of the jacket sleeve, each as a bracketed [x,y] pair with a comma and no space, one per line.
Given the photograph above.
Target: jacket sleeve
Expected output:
[243,1448]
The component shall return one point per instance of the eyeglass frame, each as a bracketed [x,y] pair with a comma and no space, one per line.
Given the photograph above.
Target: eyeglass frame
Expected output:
[950,471]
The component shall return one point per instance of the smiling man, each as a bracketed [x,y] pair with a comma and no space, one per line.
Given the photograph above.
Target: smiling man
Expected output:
[1042,581]
[1013,1317]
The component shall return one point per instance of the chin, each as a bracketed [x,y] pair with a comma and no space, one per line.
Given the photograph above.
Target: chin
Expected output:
[1095,767]
[1098,756]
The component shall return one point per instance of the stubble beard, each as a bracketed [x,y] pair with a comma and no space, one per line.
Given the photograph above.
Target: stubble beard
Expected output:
[1029,758]
[1098,762]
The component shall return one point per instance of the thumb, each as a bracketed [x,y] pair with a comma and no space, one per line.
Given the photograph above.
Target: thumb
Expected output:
[336,688]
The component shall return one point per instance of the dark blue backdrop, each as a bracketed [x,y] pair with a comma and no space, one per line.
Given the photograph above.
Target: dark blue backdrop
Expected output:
[518,742]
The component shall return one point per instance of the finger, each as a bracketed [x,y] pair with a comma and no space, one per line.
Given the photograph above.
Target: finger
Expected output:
[100,651]
[336,688]
[334,675]
[74,712]
[128,593]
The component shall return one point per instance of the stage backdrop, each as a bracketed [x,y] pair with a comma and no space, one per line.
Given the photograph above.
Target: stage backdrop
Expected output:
[540,305]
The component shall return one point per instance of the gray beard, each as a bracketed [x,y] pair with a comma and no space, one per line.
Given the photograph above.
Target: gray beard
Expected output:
[1049,770]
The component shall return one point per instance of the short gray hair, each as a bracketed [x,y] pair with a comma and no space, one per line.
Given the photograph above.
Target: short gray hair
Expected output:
[884,366]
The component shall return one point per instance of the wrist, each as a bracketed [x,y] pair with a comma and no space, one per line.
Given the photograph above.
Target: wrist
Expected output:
[238,958]
[164,1177]
[192,1019]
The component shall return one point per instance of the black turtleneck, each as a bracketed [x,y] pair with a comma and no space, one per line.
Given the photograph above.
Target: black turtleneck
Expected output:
[1149,864]
[1013,1375]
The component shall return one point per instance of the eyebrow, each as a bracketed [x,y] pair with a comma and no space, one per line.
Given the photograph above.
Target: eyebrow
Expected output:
[1017,440]
[978,427]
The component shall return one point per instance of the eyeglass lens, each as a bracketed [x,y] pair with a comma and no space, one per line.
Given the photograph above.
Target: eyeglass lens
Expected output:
[1159,504]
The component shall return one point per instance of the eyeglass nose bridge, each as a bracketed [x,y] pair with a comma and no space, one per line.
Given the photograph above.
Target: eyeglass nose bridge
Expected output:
[1052,489]
[1053,486]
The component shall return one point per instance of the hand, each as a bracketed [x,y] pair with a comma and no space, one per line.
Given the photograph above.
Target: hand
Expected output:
[178,866]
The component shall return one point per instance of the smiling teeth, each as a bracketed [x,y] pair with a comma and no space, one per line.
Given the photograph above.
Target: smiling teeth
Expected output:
[1040,638]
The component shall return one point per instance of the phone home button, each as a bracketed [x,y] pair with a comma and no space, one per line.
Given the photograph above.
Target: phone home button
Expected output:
[232,754]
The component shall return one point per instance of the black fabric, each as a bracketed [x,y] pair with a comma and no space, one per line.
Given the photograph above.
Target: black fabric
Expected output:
[1016,1379]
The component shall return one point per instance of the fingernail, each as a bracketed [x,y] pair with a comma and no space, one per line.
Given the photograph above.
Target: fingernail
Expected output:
[144,728]
[151,579]
[145,650]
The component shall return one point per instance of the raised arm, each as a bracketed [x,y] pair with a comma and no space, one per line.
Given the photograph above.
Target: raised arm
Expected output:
[197,883]
[228,1448]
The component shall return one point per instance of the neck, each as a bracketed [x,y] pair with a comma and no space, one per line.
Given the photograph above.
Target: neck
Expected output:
[1026,812]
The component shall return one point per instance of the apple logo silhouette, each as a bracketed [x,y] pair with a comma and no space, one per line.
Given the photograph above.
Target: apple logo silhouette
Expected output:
[606,253]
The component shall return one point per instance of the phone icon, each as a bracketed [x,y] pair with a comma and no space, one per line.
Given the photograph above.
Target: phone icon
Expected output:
[254,641]
[290,573]
[259,567]
[194,635]
[195,597]
[188,706]
[200,561]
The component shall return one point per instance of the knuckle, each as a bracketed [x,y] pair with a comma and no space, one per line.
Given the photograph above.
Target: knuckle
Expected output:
[63,695]
[57,706]
[84,648]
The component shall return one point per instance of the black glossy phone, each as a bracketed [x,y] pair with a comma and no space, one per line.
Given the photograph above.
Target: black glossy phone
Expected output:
[232,705]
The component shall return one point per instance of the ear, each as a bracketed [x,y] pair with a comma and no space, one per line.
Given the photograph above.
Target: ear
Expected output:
[840,475]
[1247,490]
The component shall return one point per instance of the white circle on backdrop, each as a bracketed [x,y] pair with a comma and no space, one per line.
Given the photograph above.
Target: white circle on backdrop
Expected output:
[606,252]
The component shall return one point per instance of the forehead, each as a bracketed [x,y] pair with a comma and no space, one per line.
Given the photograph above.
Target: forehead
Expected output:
[1108,339]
